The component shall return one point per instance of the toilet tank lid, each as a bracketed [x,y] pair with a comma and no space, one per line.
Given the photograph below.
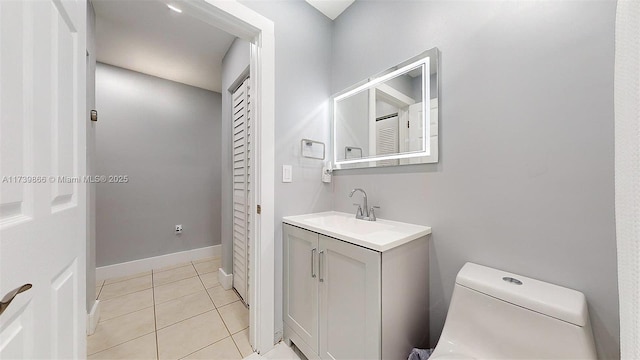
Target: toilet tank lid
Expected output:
[548,299]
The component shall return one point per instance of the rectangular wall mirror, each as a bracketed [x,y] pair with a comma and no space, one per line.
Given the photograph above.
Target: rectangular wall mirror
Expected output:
[390,119]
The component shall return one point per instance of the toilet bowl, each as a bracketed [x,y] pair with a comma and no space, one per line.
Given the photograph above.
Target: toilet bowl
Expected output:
[498,315]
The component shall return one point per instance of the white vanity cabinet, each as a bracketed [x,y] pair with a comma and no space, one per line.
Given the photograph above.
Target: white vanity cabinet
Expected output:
[300,284]
[349,281]
[348,301]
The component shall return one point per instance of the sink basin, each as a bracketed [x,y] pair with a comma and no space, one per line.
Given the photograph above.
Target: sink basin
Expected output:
[380,235]
[349,224]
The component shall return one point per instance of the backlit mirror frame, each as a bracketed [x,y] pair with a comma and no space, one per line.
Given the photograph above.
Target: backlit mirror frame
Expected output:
[429,62]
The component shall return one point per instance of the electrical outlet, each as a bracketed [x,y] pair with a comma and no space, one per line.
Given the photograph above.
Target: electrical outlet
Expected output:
[179,229]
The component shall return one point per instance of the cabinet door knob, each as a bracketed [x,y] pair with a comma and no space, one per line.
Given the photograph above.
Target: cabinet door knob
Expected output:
[7,299]
[313,255]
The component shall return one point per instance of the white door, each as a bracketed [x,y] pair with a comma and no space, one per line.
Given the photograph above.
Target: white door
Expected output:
[350,301]
[42,220]
[415,133]
[301,283]
[241,188]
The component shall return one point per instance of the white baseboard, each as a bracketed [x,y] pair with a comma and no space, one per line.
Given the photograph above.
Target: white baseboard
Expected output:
[226,280]
[93,317]
[138,266]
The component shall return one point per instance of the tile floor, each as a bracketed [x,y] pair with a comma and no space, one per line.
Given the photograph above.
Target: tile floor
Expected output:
[179,312]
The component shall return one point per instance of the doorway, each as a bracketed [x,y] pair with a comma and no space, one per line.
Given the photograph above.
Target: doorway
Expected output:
[244,23]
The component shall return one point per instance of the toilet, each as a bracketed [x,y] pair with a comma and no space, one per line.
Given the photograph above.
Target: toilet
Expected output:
[498,315]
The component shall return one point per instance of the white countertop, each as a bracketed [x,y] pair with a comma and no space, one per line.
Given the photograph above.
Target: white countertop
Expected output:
[380,235]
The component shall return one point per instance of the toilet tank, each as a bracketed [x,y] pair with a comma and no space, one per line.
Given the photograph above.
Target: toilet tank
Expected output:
[499,315]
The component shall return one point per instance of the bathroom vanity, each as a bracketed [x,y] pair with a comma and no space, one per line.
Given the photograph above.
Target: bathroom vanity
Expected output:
[355,289]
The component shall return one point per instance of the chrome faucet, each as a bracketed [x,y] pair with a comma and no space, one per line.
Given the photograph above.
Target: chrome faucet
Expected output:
[363,212]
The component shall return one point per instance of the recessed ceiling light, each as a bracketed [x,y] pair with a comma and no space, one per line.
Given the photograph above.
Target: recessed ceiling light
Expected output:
[174,8]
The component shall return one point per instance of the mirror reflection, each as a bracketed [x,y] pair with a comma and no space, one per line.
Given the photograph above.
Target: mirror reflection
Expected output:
[382,122]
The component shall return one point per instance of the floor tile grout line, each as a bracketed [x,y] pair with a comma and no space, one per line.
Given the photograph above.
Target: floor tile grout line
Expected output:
[172,299]
[116,297]
[226,327]
[184,296]
[122,343]
[233,302]
[175,281]
[206,260]
[213,343]
[239,331]
[205,273]
[172,268]
[121,315]
[210,272]
[124,294]
[188,277]
[185,319]
[119,296]
[236,344]
[200,262]
[220,315]
[208,294]
[224,322]
[155,318]
[129,313]
[134,276]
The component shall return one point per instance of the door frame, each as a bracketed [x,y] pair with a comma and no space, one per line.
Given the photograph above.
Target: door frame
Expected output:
[242,22]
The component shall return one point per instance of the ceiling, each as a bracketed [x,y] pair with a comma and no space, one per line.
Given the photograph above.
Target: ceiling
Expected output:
[148,37]
[331,8]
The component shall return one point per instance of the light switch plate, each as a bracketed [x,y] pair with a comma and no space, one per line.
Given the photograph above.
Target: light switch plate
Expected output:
[287,173]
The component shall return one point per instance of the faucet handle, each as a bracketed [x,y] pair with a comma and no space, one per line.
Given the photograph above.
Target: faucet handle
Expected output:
[359,212]
[372,213]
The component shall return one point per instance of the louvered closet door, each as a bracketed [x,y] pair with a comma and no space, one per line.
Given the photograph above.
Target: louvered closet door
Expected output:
[387,138]
[242,180]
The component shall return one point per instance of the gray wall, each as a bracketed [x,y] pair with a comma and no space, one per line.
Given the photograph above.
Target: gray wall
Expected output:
[525,178]
[235,65]
[166,137]
[91,156]
[303,75]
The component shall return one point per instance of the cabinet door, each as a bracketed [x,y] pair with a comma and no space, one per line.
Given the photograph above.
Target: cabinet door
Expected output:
[301,284]
[350,313]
